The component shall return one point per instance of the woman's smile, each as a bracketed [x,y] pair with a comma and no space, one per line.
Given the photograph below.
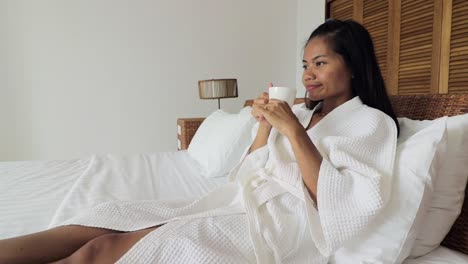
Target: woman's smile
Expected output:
[312,87]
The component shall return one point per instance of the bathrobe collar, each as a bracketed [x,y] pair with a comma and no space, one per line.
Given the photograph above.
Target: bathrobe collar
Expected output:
[304,116]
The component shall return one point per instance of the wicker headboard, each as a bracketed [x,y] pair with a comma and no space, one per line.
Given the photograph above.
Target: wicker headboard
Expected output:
[420,107]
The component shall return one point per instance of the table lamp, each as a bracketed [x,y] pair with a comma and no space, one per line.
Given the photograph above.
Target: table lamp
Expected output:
[217,89]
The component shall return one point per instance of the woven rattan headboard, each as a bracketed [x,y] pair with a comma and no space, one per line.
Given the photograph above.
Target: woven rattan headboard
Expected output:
[431,106]
[422,106]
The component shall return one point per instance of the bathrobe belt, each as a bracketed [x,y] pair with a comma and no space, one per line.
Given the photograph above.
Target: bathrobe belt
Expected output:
[258,189]
[265,188]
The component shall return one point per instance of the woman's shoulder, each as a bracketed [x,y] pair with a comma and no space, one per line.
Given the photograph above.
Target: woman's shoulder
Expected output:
[375,118]
[373,112]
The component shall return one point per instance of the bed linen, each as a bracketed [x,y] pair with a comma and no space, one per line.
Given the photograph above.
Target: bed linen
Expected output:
[440,255]
[32,191]
[36,194]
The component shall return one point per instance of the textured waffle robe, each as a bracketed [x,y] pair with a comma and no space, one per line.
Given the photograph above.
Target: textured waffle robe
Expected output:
[265,213]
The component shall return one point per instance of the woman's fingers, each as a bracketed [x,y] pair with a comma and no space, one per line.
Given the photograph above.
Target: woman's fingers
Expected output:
[275,112]
[274,104]
[259,103]
[262,99]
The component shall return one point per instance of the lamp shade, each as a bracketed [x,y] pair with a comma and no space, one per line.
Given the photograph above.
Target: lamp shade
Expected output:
[217,88]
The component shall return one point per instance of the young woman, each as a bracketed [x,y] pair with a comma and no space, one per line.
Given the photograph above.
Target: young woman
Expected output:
[315,177]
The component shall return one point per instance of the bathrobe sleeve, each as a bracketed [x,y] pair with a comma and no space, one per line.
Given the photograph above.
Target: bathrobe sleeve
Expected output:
[254,160]
[249,164]
[353,183]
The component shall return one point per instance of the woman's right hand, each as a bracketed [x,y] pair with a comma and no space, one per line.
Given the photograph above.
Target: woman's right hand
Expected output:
[264,127]
[259,103]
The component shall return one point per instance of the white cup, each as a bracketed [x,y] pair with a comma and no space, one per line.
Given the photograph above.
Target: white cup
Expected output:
[286,94]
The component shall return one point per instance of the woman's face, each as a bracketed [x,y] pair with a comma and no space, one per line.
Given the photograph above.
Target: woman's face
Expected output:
[326,76]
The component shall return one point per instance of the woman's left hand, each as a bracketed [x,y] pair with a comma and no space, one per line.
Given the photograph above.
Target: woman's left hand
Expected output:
[280,116]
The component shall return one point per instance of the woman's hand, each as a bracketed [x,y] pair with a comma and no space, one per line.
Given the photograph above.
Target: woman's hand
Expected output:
[264,127]
[259,104]
[279,115]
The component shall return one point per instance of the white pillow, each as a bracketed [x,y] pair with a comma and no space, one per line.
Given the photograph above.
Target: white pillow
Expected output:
[221,140]
[391,238]
[449,187]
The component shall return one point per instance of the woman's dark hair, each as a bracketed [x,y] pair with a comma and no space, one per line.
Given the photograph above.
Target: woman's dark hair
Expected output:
[353,42]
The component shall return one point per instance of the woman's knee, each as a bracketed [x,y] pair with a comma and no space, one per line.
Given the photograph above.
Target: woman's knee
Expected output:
[97,250]
[107,248]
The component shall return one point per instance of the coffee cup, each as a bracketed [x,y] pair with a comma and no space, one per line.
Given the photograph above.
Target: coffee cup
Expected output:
[286,94]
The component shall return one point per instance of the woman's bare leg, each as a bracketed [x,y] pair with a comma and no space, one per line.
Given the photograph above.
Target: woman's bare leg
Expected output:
[50,245]
[107,248]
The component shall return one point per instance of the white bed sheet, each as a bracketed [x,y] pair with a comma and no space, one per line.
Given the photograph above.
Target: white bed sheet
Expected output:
[31,191]
[440,255]
[35,195]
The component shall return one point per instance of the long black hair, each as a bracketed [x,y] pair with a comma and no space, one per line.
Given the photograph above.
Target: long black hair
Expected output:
[354,43]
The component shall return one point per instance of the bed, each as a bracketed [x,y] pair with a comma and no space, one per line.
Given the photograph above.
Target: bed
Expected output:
[35,195]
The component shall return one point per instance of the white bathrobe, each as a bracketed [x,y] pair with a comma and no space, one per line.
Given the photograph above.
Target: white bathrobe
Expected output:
[265,214]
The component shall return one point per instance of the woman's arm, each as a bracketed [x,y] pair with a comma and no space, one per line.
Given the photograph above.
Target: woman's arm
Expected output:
[281,117]
[264,127]
[307,156]
[261,137]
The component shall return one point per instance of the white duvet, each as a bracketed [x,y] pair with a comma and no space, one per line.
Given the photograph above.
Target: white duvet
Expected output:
[37,194]
[31,192]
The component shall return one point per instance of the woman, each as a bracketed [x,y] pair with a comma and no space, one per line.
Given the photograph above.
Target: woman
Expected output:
[314,179]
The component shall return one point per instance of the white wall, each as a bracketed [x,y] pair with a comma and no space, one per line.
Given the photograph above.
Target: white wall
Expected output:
[79,77]
[310,14]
